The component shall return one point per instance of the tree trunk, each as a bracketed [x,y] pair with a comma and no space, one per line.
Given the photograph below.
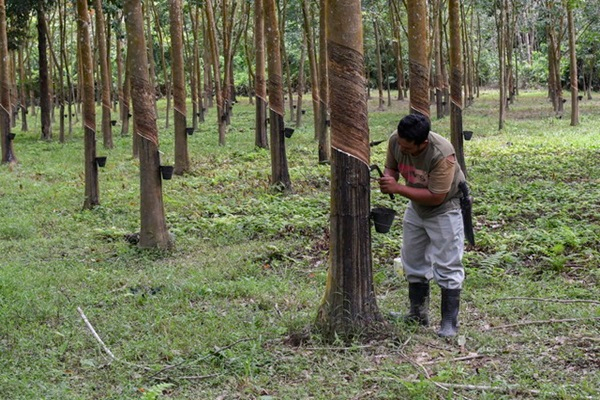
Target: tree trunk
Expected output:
[45,100]
[214,52]
[182,162]
[323,120]
[418,53]
[437,56]
[23,91]
[164,66]
[349,306]
[501,28]
[397,46]
[300,88]
[312,59]
[260,86]
[104,72]
[280,177]
[8,155]
[456,68]
[89,108]
[573,72]
[153,231]
[381,101]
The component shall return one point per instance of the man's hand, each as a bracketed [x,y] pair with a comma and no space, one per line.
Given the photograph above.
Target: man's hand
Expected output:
[389,185]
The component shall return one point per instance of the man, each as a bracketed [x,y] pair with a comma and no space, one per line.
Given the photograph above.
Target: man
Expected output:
[433,240]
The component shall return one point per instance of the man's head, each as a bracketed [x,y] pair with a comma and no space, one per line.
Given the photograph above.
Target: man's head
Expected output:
[413,134]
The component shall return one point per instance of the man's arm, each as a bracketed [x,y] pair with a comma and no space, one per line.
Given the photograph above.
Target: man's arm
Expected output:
[389,184]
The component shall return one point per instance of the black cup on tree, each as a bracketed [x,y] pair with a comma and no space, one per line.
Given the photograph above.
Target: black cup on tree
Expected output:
[166,171]
[101,161]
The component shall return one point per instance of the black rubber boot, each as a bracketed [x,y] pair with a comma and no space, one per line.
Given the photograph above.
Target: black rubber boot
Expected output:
[450,306]
[418,294]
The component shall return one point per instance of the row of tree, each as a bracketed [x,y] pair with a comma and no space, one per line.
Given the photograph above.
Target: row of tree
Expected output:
[206,40]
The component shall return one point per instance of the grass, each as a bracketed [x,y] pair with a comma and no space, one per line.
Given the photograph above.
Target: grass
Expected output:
[227,313]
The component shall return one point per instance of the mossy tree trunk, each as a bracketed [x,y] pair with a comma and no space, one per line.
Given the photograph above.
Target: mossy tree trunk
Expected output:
[349,306]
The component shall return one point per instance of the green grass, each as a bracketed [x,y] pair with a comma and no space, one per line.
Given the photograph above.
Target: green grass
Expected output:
[227,313]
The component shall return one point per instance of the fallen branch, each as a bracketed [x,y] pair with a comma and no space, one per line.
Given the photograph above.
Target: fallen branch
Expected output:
[197,377]
[547,300]
[548,321]
[465,358]
[91,328]
[104,346]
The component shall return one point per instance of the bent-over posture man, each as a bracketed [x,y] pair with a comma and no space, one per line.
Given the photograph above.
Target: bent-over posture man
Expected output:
[433,237]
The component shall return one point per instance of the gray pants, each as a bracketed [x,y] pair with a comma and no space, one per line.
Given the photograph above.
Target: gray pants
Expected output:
[433,248]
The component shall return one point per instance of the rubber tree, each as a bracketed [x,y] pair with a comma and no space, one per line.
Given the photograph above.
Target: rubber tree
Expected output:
[182,161]
[323,120]
[89,108]
[104,75]
[8,155]
[573,64]
[260,85]
[153,230]
[280,176]
[43,68]
[349,306]
[214,60]
[418,55]
[456,81]
[312,59]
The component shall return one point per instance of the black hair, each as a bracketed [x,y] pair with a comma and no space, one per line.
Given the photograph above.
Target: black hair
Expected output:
[414,128]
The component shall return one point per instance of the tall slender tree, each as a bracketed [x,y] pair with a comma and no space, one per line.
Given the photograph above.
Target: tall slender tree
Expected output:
[260,86]
[45,100]
[8,155]
[214,52]
[349,305]
[89,108]
[104,75]
[323,120]
[456,80]
[573,64]
[280,176]
[418,54]
[153,231]
[182,161]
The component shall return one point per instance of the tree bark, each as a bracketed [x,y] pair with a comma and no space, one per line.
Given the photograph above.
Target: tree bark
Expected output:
[323,120]
[456,80]
[182,162]
[104,73]
[214,52]
[89,108]
[312,59]
[260,86]
[280,177]
[418,53]
[153,231]
[349,306]
[573,69]
[45,100]
[8,155]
